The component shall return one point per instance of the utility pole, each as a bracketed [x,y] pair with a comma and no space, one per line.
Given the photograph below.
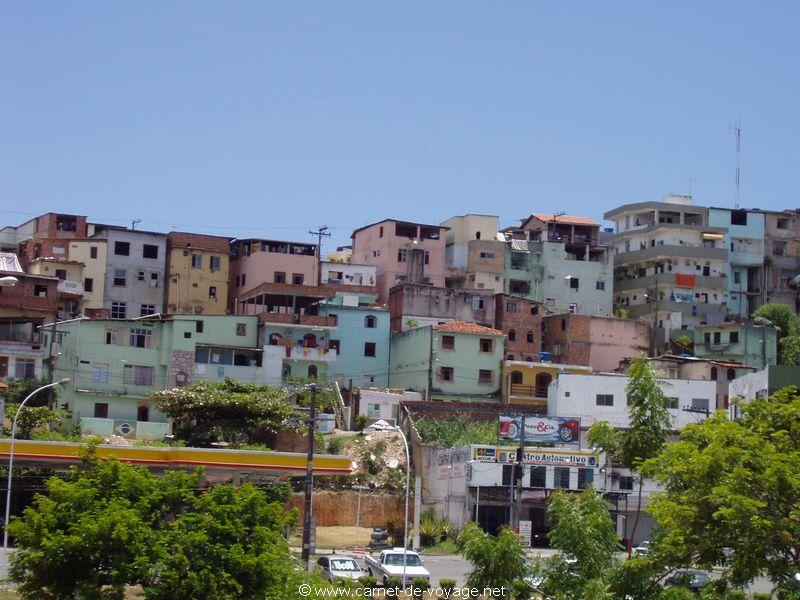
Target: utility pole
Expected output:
[320,233]
[312,419]
[518,482]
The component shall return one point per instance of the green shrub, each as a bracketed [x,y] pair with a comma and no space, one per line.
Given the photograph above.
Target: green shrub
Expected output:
[361,422]
[419,583]
[520,591]
[394,582]
[447,585]
[395,529]
[335,445]
[762,596]
[346,583]
[368,581]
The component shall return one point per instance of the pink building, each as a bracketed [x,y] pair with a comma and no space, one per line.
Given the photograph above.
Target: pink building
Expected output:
[257,261]
[402,252]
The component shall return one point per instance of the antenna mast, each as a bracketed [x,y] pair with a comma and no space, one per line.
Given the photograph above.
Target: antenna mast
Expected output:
[737,127]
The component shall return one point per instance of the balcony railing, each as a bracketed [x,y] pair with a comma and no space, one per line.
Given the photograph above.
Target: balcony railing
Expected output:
[293,319]
[523,390]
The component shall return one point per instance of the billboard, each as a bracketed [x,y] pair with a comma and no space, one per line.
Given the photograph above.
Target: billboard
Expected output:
[543,430]
[537,456]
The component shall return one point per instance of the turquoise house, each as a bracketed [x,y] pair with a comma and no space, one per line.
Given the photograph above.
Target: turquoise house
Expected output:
[747,343]
[115,364]
[361,341]
[451,361]
[745,240]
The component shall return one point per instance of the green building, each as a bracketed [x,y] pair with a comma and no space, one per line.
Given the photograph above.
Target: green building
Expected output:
[114,365]
[742,342]
[451,361]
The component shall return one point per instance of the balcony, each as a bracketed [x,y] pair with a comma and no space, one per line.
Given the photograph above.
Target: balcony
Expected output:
[623,283]
[299,320]
[72,288]
[671,251]
[522,390]
[297,352]
[214,372]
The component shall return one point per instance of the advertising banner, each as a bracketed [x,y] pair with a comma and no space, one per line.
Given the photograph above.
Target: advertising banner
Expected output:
[552,430]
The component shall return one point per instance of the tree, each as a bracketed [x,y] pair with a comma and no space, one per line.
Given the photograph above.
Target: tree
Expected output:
[684,342]
[732,492]
[31,418]
[497,561]
[648,431]
[226,411]
[786,323]
[19,389]
[361,422]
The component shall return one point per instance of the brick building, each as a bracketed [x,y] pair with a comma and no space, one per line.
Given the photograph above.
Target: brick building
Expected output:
[520,320]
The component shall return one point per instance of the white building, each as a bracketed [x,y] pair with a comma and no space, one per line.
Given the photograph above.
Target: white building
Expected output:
[339,273]
[383,403]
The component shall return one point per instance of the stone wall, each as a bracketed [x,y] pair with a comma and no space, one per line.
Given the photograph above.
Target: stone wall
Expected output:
[181,361]
[339,508]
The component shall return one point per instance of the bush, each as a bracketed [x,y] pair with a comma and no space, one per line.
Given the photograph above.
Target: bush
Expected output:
[335,445]
[395,529]
[361,422]
[394,582]
[368,581]
[761,596]
[447,585]
[419,583]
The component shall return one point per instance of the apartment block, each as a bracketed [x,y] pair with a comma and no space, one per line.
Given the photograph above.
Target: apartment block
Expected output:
[597,342]
[197,273]
[402,252]
[347,274]
[670,265]
[782,257]
[474,253]
[520,320]
[417,305]
[741,342]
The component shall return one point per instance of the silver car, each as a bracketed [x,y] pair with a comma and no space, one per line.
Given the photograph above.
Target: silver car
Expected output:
[335,566]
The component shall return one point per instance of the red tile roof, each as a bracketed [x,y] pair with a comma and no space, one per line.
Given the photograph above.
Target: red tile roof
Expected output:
[568,219]
[465,327]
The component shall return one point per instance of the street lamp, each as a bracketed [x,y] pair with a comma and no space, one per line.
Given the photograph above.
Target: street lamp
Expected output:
[408,480]
[8,281]
[64,381]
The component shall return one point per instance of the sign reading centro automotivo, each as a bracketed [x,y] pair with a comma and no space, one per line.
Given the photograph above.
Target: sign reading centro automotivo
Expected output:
[536,456]
[552,430]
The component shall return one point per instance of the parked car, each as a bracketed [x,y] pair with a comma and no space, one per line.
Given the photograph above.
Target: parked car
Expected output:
[642,549]
[694,580]
[334,567]
[390,564]
[379,538]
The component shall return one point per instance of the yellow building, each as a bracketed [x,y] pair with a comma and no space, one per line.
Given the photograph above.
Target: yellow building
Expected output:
[527,382]
[197,274]
[92,253]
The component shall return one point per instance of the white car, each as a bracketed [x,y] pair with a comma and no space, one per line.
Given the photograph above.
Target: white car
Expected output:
[390,564]
[642,549]
[335,567]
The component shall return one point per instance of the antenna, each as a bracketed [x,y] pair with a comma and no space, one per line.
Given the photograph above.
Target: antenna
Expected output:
[737,127]
[134,223]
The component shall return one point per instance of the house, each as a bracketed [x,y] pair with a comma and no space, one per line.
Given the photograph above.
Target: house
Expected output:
[670,265]
[115,364]
[91,253]
[402,252]
[383,403]
[745,240]
[597,342]
[527,382]
[742,342]
[761,384]
[520,320]
[347,274]
[197,272]
[48,235]
[417,305]
[452,361]
[474,253]
[781,257]
[135,262]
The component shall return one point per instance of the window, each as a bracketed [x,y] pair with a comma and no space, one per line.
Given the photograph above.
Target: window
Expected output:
[242,282]
[369,349]
[101,410]
[241,329]
[508,474]
[671,402]
[447,342]
[529,337]
[402,255]
[122,248]
[197,261]
[731,374]
[25,368]
[538,477]
[512,335]
[738,217]
[61,274]
[373,410]
[626,482]
[137,375]
[516,377]
[3,366]
[147,309]
[561,479]
[140,337]
[119,310]
[487,255]
[212,292]
[279,277]
[563,324]
[486,344]
[734,337]
[600,285]
[427,257]
[717,337]
[477,303]
[707,339]
[604,399]
[335,345]
[445,373]
[370,322]
[119,277]
[534,309]
[149,251]
[574,283]
[198,326]
[737,277]
[585,478]
[298,278]
[100,372]
[714,373]
[511,307]
[111,336]
[143,413]
[312,371]
[93,252]
[140,276]
[215,262]
[477,235]
[485,376]
[782,224]
[88,284]
[380,231]
[700,403]
[187,335]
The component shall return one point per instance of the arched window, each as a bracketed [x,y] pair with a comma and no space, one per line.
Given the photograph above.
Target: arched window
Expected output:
[516,377]
[274,338]
[510,357]
[530,337]
[370,322]
[143,413]
[542,383]
[312,371]
[287,370]
[309,340]
[241,360]
[512,335]
[714,373]
[731,374]
[528,359]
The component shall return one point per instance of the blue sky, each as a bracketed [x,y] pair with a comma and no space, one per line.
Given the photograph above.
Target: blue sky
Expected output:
[272,118]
